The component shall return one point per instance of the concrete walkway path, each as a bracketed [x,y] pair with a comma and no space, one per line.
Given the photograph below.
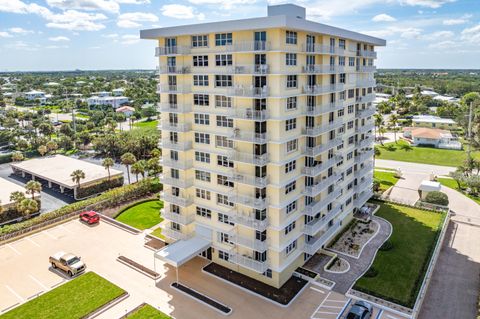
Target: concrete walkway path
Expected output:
[408,167]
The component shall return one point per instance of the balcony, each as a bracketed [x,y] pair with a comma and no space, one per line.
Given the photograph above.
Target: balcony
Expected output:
[175,127]
[323,89]
[365,128]
[243,178]
[316,225]
[322,49]
[177,200]
[248,136]
[315,243]
[363,156]
[366,112]
[178,146]
[172,233]
[364,170]
[248,46]
[182,183]
[171,50]
[173,69]
[319,110]
[249,262]
[252,92]
[175,108]
[319,149]
[173,88]
[178,218]
[315,207]
[254,69]
[322,128]
[168,162]
[250,114]
[248,242]
[366,83]
[322,69]
[320,185]
[363,198]
[249,220]
[366,98]
[365,184]
[366,142]
[320,167]
[366,68]
[247,200]
[249,158]
[367,54]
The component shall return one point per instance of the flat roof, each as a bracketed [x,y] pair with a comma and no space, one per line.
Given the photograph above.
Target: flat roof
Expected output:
[181,251]
[430,186]
[432,119]
[57,169]
[286,21]
[6,188]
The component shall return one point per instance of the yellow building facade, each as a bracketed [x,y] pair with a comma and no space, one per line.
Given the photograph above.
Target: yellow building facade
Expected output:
[267,143]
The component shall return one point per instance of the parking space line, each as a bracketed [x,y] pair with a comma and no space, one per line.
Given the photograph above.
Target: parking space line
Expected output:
[38,282]
[14,293]
[391,317]
[31,240]
[64,228]
[320,305]
[379,314]
[334,307]
[14,249]
[50,235]
[330,313]
[317,290]
[335,300]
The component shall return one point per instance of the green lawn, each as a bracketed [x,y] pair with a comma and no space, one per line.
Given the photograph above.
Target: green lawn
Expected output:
[449,182]
[142,216]
[402,268]
[386,179]
[148,312]
[75,299]
[157,233]
[425,155]
[145,124]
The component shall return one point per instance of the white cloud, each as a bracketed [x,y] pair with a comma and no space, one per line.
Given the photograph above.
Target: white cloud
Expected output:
[59,39]
[444,45]
[56,47]
[110,35]
[462,20]
[130,39]
[133,1]
[224,4]
[5,34]
[434,4]
[19,30]
[20,45]
[403,32]
[133,19]
[179,11]
[472,34]
[440,35]
[383,18]
[102,5]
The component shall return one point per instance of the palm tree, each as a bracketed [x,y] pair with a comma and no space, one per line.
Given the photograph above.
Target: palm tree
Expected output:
[107,163]
[393,120]
[33,187]
[378,123]
[52,146]
[138,168]
[17,197]
[27,207]
[77,175]
[17,156]
[127,160]
[42,150]
[376,152]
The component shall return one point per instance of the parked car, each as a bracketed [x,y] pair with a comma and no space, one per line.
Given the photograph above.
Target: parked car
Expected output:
[68,262]
[360,310]
[90,217]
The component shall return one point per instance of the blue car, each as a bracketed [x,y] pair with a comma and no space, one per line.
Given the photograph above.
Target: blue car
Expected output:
[360,310]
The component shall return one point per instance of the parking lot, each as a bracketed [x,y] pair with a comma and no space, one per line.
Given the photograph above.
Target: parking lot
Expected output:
[100,245]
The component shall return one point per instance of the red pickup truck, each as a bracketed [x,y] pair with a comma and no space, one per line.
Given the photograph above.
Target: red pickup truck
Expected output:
[90,217]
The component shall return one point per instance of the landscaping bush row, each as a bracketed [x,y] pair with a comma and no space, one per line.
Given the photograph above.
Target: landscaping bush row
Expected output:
[108,199]
[84,192]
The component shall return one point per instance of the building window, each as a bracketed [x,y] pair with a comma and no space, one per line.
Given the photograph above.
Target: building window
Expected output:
[291,37]
[291,103]
[224,121]
[351,93]
[202,138]
[223,39]
[223,141]
[290,187]
[223,200]
[292,145]
[200,60]
[202,176]
[350,109]
[341,44]
[201,99]
[290,166]
[349,125]
[175,173]
[223,59]
[268,273]
[291,59]
[289,228]
[223,161]
[223,180]
[290,124]
[200,80]
[341,61]
[223,254]
[200,41]
[340,113]
[223,80]
[201,119]
[223,101]
[343,78]
[342,96]
[291,247]
[351,61]
[202,157]
[202,193]
[291,207]
[349,156]
[291,81]
[207,213]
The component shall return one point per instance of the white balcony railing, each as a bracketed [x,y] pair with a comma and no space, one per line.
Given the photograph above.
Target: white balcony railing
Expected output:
[322,109]
[366,142]
[175,108]
[250,114]
[248,242]
[366,68]
[171,50]
[363,198]
[249,262]
[320,185]
[182,183]
[173,88]
[248,158]
[316,207]
[178,146]
[366,112]
[322,69]
[248,179]
[323,89]
[174,69]
[251,222]
[253,92]
[248,200]
[178,218]
[175,127]
[322,128]
[315,243]
[168,162]
[317,224]
[246,136]
[174,234]
[177,200]
[363,156]
[364,128]
[317,150]
[320,167]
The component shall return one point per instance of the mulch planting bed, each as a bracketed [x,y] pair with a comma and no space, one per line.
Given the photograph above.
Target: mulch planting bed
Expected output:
[195,294]
[282,296]
[306,272]
[154,243]
[139,267]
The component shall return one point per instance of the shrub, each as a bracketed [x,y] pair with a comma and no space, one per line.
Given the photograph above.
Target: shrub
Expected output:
[97,188]
[437,198]
[388,245]
[371,272]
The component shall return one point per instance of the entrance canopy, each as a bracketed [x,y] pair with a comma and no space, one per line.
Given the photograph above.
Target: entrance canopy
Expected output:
[429,186]
[181,251]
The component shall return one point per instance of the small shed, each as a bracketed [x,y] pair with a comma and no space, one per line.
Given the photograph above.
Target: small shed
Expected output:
[427,187]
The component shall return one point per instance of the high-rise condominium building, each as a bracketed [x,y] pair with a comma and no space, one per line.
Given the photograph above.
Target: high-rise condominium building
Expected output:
[266,136]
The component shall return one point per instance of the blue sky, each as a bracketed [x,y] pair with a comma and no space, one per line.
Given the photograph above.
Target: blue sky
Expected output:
[103,34]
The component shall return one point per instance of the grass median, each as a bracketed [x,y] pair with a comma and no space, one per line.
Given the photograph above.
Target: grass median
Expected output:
[75,299]
[142,215]
[147,312]
[385,179]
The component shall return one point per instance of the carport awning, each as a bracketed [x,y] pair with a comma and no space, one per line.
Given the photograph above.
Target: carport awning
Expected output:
[181,251]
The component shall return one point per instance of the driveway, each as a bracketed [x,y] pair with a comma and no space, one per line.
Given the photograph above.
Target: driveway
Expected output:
[415,167]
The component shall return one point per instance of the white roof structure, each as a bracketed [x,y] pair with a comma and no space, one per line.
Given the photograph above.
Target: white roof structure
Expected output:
[281,16]
[6,188]
[181,251]
[429,186]
[58,168]
[432,119]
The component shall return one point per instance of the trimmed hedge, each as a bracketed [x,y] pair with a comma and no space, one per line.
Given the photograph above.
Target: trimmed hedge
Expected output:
[108,199]
[84,192]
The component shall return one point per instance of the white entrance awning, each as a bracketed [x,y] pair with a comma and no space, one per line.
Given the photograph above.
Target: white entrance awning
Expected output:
[181,251]
[429,186]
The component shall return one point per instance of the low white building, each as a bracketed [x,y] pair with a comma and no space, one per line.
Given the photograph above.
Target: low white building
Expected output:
[118,92]
[127,110]
[424,136]
[433,122]
[37,95]
[113,101]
